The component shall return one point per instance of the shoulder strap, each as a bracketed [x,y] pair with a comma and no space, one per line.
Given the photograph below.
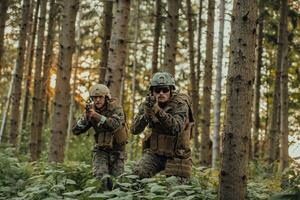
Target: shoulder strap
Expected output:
[181,97]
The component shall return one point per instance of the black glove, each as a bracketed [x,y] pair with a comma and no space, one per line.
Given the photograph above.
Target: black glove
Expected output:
[151,106]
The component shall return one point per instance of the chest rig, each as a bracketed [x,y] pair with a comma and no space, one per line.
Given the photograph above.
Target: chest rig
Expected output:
[112,140]
[163,143]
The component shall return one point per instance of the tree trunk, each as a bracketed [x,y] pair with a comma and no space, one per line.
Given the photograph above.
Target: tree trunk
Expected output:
[284,97]
[192,65]
[217,104]
[29,61]
[117,49]
[233,174]
[259,52]
[5,111]
[3,17]
[157,30]
[205,159]
[107,23]
[62,90]
[274,129]
[16,93]
[53,18]
[37,120]
[197,115]
[76,65]
[171,36]
[135,62]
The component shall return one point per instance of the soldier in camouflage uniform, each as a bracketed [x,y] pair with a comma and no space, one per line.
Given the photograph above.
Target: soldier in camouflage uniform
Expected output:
[169,117]
[106,117]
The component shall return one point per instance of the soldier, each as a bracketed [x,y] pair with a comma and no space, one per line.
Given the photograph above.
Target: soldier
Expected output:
[106,116]
[168,115]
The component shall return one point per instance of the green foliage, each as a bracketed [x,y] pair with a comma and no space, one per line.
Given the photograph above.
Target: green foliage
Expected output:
[80,147]
[20,180]
[13,173]
[291,184]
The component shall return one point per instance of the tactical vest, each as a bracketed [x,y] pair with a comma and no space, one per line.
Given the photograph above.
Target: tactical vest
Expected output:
[168,145]
[116,139]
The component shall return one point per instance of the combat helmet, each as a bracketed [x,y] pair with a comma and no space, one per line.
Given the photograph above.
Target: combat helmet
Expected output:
[100,90]
[162,79]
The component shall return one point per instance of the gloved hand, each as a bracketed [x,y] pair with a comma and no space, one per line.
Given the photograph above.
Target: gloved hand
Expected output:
[151,105]
[92,115]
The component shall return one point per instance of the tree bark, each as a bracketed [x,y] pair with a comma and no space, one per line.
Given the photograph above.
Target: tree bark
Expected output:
[117,49]
[17,76]
[284,97]
[205,159]
[171,36]
[62,89]
[37,120]
[135,62]
[157,30]
[257,83]
[53,19]
[197,115]
[107,24]
[3,18]
[28,63]
[5,111]
[233,174]
[76,65]
[274,130]
[193,80]
[217,104]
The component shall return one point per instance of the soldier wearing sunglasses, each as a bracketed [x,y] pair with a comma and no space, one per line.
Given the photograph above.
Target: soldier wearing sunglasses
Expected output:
[169,117]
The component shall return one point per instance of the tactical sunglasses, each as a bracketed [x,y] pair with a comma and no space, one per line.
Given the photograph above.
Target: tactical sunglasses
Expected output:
[163,89]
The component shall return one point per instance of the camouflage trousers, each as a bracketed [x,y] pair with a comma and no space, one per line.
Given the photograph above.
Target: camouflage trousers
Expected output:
[106,162]
[151,164]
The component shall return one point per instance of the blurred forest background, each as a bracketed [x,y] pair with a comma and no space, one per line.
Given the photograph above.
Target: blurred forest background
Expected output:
[53,51]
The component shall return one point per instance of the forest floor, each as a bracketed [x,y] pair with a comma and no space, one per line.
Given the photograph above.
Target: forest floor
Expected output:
[20,179]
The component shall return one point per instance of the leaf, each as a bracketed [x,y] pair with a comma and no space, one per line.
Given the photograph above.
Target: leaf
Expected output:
[182,187]
[74,193]
[117,192]
[36,177]
[125,184]
[89,189]
[148,180]
[99,195]
[190,197]
[58,186]
[172,180]
[70,182]
[132,176]
[155,188]
[189,192]
[173,194]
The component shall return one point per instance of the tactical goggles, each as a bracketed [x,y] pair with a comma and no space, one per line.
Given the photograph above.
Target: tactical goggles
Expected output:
[163,89]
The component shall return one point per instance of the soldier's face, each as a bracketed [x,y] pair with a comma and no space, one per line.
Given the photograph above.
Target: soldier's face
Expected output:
[99,101]
[162,94]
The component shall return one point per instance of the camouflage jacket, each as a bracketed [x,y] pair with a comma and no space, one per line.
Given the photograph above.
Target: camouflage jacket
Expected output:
[115,119]
[169,120]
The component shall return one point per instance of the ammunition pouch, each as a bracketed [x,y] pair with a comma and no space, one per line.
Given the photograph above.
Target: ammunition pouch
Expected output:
[179,167]
[146,142]
[163,144]
[121,135]
[105,140]
[183,147]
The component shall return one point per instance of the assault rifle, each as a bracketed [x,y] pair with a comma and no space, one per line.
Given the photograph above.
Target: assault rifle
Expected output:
[88,104]
[151,100]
